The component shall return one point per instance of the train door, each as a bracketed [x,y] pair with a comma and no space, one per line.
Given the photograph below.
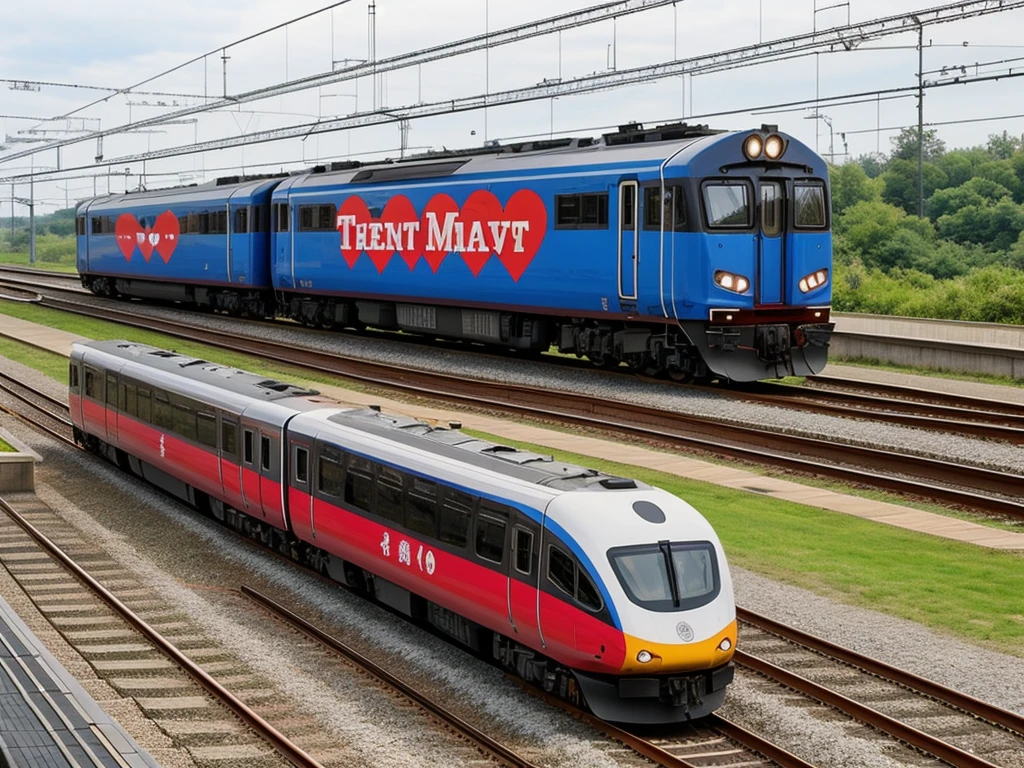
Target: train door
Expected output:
[251,460]
[111,407]
[523,567]
[771,256]
[629,239]
[239,253]
[284,263]
[230,461]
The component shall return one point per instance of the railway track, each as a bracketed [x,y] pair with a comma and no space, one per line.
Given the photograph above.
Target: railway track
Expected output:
[928,410]
[970,732]
[960,485]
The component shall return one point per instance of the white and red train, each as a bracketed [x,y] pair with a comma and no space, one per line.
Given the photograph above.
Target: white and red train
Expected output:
[608,592]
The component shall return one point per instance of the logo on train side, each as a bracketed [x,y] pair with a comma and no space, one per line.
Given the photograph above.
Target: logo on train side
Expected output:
[162,237]
[481,228]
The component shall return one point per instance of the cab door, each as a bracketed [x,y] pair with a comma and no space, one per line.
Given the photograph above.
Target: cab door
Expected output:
[230,461]
[771,266]
[523,567]
[629,239]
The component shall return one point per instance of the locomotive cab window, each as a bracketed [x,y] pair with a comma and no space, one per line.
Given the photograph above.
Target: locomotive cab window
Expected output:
[667,576]
[809,205]
[727,205]
[561,571]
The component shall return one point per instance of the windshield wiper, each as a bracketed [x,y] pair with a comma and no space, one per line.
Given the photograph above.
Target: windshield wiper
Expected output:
[666,552]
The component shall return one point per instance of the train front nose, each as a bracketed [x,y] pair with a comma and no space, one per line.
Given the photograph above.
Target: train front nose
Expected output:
[646,657]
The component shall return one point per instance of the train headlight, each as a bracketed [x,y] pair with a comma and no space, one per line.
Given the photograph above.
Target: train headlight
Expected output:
[644,657]
[753,146]
[814,280]
[725,645]
[774,146]
[731,282]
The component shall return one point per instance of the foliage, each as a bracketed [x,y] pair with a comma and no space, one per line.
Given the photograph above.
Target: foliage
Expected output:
[905,145]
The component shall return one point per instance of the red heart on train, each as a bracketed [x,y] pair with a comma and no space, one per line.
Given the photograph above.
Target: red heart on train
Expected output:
[126,232]
[435,239]
[480,218]
[351,213]
[529,218]
[401,215]
[167,232]
[146,240]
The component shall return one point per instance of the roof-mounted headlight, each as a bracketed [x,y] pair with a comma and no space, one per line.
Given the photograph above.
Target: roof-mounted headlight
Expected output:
[774,147]
[753,146]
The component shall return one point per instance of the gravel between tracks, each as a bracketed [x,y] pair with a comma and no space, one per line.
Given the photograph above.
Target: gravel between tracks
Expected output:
[858,431]
[135,540]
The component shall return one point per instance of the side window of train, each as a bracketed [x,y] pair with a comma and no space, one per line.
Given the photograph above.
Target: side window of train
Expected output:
[390,494]
[673,208]
[456,513]
[91,379]
[163,412]
[129,398]
[73,375]
[583,211]
[248,447]
[524,550]
[628,212]
[281,217]
[359,483]
[207,430]
[727,205]
[301,457]
[331,473]
[240,226]
[229,438]
[145,404]
[265,452]
[571,579]
[491,523]
[80,225]
[421,510]
[111,391]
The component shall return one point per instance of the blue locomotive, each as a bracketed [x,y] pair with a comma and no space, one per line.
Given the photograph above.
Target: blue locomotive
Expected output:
[697,253]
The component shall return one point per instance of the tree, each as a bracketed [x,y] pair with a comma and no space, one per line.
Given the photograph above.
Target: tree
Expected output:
[977,191]
[851,185]
[905,145]
[1001,172]
[872,163]
[996,226]
[901,184]
[1002,146]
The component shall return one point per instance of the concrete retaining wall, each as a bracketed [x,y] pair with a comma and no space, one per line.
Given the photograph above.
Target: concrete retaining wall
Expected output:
[17,470]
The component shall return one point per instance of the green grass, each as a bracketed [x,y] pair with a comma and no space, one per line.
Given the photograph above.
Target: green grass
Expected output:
[66,264]
[960,589]
[936,373]
[964,590]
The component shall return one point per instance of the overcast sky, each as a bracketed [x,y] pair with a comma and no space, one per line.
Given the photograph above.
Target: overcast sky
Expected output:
[116,44]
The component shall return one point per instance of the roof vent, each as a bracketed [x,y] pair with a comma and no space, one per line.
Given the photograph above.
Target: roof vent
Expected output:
[618,483]
[454,425]
[375,408]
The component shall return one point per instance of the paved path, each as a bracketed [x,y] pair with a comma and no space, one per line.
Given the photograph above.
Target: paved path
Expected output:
[993,392]
[739,479]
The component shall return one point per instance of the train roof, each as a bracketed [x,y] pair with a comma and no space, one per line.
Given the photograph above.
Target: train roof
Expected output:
[237,187]
[221,376]
[502,459]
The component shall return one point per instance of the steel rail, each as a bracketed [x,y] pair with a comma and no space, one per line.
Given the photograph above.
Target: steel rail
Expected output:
[467,730]
[992,714]
[906,733]
[290,751]
[760,446]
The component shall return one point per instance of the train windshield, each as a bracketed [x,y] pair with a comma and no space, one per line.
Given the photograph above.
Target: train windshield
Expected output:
[668,576]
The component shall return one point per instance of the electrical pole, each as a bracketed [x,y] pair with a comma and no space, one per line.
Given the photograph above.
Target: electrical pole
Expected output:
[920,120]
[31,219]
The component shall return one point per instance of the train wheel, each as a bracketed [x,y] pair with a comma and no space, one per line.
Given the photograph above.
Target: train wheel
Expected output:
[680,375]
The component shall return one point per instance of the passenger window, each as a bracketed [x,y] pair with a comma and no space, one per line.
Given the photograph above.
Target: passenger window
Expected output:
[455,517]
[112,391]
[90,383]
[145,406]
[359,485]
[207,432]
[241,225]
[248,447]
[301,465]
[265,452]
[130,398]
[567,211]
[163,412]
[421,515]
[281,219]
[673,208]
[490,538]
[628,208]
[524,551]
[561,571]
[229,438]
[332,476]
[586,592]
[390,494]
